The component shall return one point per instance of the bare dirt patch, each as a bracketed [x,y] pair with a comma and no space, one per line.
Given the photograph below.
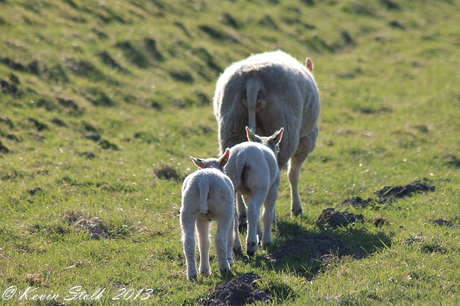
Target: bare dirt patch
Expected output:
[452,161]
[357,202]
[38,125]
[58,122]
[94,137]
[108,60]
[166,172]
[400,192]
[380,221]
[3,149]
[95,227]
[106,145]
[442,222]
[9,89]
[13,137]
[35,190]
[68,104]
[334,219]
[241,290]
[389,193]
[88,155]
[34,279]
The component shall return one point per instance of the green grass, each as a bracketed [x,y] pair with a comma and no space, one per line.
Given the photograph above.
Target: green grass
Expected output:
[141,74]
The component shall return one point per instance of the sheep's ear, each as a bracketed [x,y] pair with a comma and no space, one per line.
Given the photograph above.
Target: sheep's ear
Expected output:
[309,64]
[250,134]
[278,135]
[224,159]
[198,162]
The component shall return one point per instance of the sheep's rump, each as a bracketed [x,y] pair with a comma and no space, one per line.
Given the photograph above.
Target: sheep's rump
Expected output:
[290,92]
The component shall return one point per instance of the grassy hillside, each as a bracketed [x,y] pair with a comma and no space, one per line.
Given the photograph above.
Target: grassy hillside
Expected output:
[102,103]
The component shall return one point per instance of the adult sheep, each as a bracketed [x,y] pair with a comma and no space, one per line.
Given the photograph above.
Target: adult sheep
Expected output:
[268,91]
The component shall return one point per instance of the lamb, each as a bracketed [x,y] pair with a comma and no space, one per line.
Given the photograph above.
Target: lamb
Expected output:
[207,195]
[267,91]
[253,169]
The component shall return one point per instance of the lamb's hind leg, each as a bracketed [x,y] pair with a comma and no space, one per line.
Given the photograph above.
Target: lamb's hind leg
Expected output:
[307,144]
[229,136]
[224,228]
[242,214]
[188,230]
[254,220]
[230,245]
[237,247]
[269,214]
[204,244]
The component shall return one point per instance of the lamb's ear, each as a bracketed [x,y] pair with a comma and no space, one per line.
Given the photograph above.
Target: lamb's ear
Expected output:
[198,162]
[309,64]
[278,135]
[250,134]
[224,159]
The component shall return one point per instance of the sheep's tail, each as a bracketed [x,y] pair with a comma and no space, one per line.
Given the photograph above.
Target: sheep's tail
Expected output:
[204,192]
[252,90]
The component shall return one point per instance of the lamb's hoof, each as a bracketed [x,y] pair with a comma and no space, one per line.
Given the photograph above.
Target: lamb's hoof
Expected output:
[251,248]
[238,252]
[265,246]
[243,227]
[224,271]
[205,273]
[297,213]
[192,276]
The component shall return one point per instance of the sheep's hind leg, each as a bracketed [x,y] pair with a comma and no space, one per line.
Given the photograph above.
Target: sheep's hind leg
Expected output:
[204,244]
[306,145]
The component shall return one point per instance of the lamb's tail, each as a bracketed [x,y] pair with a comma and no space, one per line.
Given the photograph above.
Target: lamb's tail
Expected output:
[253,87]
[204,192]
[240,163]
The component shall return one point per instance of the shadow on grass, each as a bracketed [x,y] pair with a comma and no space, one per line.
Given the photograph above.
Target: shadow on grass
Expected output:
[295,250]
[305,253]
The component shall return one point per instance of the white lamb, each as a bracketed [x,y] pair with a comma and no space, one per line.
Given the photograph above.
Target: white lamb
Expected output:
[208,195]
[253,169]
[268,91]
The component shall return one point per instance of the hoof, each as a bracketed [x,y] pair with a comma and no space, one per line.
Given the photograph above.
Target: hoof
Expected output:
[205,273]
[243,227]
[251,246]
[265,246]
[224,271]
[238,252]
[297,213]
[192,276]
